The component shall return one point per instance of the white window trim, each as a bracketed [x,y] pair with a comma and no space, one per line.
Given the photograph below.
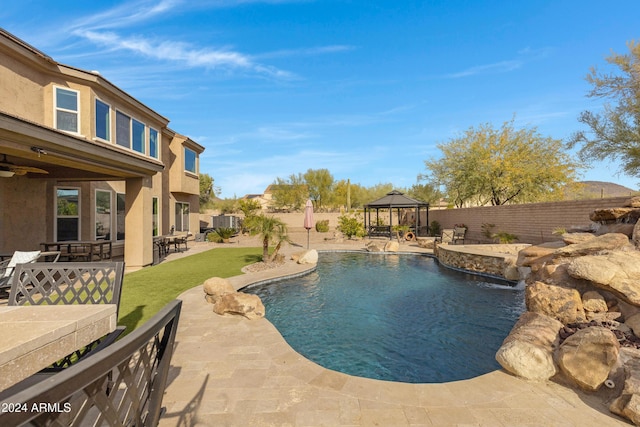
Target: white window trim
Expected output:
[95,117]
[55,109]
[55,210]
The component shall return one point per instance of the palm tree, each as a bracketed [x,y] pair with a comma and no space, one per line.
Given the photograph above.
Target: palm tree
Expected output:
[270,230]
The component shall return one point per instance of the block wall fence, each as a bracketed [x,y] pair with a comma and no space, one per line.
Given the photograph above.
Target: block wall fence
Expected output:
[532,223]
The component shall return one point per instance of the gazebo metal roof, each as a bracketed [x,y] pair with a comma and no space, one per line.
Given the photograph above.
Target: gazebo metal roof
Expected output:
[396,199]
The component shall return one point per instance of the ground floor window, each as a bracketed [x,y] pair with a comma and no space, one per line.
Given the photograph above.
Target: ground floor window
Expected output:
[182,217]
[67,214]
[155,216]
[103,215]
[120,216]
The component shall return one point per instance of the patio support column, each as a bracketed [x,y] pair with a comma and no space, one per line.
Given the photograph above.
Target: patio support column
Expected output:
[138,244]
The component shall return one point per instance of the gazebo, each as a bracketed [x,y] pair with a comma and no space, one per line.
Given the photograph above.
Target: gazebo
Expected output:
[398,201]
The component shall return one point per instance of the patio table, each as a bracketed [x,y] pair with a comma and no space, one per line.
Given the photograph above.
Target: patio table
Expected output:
[34,337]
[87,250]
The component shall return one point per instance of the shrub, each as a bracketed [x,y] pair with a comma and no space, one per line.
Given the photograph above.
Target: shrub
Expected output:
[322,226]
[213,237]
[435,228]
[504,237]
[487,230]
[226,232]
[351,225]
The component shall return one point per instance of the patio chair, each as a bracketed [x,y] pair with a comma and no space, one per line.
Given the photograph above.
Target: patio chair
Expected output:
[181,240]
[446,236]
[7,267]
[43,283]
[458,235]
[122,385]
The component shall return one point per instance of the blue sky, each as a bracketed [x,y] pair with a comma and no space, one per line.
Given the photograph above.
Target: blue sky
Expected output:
[365,89]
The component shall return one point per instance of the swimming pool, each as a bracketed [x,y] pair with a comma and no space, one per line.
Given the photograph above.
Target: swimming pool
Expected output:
[393,317]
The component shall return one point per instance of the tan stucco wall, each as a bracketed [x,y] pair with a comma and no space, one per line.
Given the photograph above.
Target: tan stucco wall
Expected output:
[27,204]
[25,85]
[180,180]
[23,214]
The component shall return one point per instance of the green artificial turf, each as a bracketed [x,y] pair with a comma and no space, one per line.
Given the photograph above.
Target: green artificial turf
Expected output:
[146,291]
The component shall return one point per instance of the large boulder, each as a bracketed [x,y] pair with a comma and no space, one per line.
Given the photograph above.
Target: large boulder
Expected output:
[606,242]
[588,356]
[628,403]
[633,202]
[573,238]
[374,247]
[528,350]
[617,271]
[622,228]
[594,302]
[216,287]
[633,322]
[614,215]
[563,304]
[391,246]
[308,257]
[239,303]
[532,254]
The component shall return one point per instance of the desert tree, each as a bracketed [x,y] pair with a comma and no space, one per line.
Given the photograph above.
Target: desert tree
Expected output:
[614,133]
[500,166]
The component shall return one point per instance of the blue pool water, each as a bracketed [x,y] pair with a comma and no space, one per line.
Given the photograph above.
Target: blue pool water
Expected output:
[393,317]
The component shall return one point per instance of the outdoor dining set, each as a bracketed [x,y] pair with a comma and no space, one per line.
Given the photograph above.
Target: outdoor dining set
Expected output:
[63,358]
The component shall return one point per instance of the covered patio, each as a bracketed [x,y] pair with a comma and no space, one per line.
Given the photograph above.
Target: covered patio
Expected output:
[68,161]
[402,205]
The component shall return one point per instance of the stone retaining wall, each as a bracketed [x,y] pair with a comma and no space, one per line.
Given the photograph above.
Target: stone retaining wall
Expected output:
[480,258]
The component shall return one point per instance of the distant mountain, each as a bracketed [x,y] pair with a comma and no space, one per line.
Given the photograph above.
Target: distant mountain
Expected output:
[597,189]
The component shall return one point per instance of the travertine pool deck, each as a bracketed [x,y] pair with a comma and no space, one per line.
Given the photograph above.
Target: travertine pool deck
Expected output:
[230,371]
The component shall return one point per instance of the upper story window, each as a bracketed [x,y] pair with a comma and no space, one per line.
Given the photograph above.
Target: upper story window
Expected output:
[190,157]
[66,109]
[153,143]
[123,130]
[138,136]
[103,120]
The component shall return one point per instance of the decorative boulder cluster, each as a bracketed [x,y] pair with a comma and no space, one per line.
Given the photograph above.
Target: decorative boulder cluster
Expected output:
[583,301]
[226,300]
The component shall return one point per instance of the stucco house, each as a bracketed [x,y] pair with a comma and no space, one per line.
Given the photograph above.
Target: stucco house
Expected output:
[99,164]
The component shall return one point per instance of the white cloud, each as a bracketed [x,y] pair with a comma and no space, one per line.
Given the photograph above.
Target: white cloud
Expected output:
[498,67]
[524,56]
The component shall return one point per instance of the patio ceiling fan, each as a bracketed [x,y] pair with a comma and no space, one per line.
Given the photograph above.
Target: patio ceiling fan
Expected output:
[8,169]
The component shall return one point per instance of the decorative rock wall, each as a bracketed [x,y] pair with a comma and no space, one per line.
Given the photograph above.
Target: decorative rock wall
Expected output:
[496,260]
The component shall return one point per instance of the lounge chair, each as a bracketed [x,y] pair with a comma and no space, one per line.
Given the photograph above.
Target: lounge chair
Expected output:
[7,267]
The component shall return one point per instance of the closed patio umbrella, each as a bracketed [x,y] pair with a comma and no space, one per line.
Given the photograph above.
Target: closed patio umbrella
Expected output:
[308,218]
